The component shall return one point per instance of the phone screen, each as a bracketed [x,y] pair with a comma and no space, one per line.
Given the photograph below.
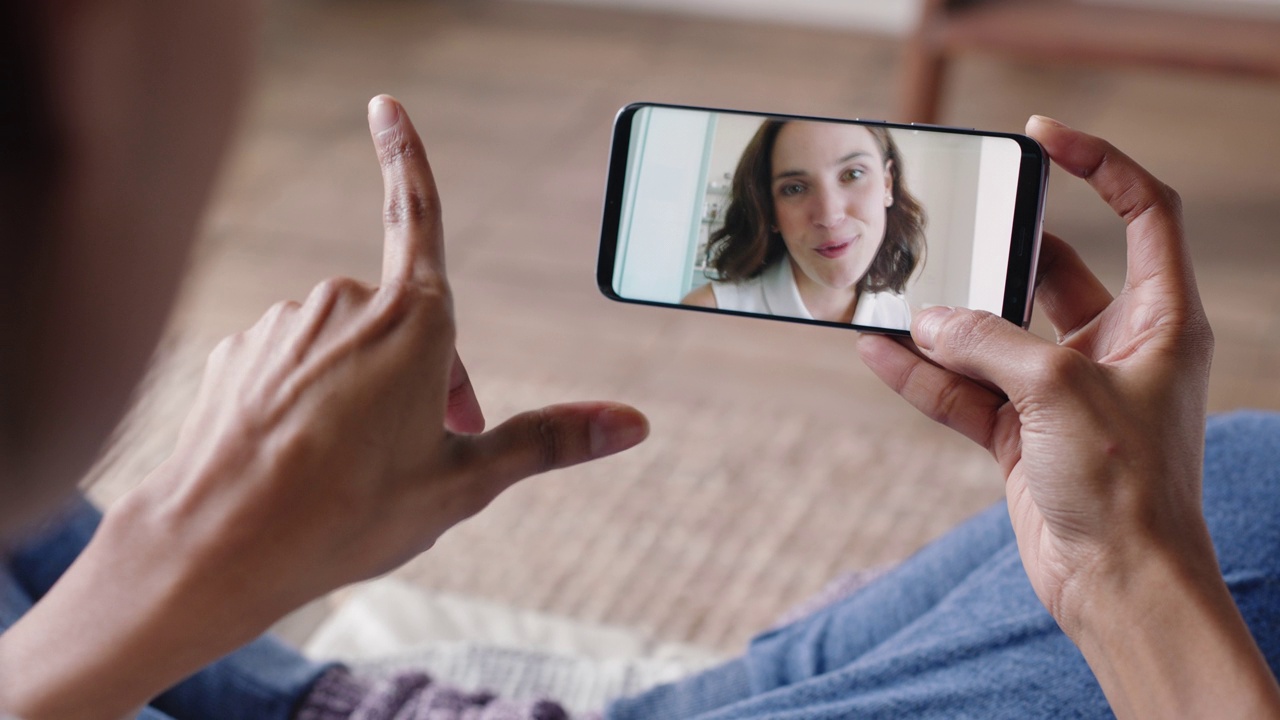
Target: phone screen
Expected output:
[852,223]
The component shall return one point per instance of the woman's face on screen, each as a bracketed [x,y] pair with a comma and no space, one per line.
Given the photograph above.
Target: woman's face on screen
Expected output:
[831,190]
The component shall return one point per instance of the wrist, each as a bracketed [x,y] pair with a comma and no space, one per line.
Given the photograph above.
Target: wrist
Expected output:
[89,647]
[1136,571]
[132,616]
[1165,639]
[181,575]
[1127,597]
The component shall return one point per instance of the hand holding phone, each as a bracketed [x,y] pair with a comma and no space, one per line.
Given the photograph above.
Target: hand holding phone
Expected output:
[835,222]
[1101,439]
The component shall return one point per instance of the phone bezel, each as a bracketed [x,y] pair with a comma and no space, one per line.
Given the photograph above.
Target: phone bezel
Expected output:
[1024,241]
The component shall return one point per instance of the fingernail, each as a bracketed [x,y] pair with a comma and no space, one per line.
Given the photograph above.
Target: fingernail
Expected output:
[383,114]
[1048,121]
[614,430]
[927,324]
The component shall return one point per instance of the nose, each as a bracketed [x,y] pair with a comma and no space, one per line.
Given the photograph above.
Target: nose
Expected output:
[828,208]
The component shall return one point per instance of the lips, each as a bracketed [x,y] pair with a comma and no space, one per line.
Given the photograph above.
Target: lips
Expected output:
[834,248]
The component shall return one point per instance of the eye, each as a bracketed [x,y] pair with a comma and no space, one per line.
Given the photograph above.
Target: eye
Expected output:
[852,174]
[790,189]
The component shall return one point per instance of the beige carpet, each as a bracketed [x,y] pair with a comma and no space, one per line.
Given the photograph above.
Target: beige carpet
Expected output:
[729,514]
[776,460]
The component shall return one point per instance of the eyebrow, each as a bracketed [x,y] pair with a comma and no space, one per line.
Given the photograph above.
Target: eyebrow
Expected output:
[841,161]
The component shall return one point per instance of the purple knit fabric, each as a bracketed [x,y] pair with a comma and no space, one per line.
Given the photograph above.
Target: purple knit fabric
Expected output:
[340,695]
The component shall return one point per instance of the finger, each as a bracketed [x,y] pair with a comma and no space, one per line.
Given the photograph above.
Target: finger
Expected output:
[554,437]
[463,413]
[989,349]
[1151,210]
[414,246]
[1068,292]
[943,396]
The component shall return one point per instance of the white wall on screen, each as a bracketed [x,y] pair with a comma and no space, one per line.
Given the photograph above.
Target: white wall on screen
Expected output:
[667,187]
[733,132]
[940,171]
[993,223]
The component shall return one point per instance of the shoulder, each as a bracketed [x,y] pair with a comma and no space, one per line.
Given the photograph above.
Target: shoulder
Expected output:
[742,295]
[701,297]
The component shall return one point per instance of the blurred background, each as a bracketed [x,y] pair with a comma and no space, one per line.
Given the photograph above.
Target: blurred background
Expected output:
[777,462]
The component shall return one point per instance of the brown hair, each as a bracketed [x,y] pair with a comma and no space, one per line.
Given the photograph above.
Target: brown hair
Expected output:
[747,244]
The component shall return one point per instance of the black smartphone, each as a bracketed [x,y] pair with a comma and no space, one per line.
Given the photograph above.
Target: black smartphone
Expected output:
[849,223]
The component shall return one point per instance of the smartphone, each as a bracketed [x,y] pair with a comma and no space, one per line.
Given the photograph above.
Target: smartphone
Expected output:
[848,223]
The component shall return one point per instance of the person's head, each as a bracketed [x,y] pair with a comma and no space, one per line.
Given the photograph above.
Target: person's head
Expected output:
[833,196]
[115,115]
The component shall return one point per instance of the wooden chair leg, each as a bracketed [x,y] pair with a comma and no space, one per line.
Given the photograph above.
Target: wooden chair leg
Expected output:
[924,70]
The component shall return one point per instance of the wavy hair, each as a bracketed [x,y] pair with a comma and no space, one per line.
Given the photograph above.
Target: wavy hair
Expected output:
[747,244]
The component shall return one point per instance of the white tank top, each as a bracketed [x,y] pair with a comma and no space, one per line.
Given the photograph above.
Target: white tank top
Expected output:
[774,292]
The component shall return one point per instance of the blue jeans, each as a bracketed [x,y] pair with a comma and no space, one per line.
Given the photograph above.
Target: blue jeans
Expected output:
[956,631]
[953,632]
[265,679]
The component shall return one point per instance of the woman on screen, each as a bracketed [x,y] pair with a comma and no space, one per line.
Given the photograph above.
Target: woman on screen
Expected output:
[820,225]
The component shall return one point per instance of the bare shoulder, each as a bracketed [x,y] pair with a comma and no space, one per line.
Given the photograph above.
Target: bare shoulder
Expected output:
[702,297]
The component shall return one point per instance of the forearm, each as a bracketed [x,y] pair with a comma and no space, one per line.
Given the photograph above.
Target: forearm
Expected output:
[122,625]
[1167,641]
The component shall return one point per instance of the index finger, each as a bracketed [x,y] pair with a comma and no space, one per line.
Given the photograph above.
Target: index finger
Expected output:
[413,250]
[1151,210]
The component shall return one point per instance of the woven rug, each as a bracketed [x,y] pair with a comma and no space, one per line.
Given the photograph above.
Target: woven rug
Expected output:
[728,515]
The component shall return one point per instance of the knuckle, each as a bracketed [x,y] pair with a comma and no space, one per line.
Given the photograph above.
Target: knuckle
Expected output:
[326,290]
[225,348]
[1172,198]
[1144,194]
[1136,198]
[435,297]
[409,204]
[963,332]
[342,285]
[429,303]
[906,379]
[949,400]
[425,311]
[545,439]
[279,311]
[430,291]
[1061,367]
[331,290]
[399,150]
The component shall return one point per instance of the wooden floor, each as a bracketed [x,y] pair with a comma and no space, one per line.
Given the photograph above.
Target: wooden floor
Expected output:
[776,460]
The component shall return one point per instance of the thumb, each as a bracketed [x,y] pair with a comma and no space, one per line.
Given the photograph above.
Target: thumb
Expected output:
[553,437]
[984,347]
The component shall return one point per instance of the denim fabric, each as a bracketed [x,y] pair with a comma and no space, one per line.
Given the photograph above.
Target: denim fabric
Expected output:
[263,680]
[956,631]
